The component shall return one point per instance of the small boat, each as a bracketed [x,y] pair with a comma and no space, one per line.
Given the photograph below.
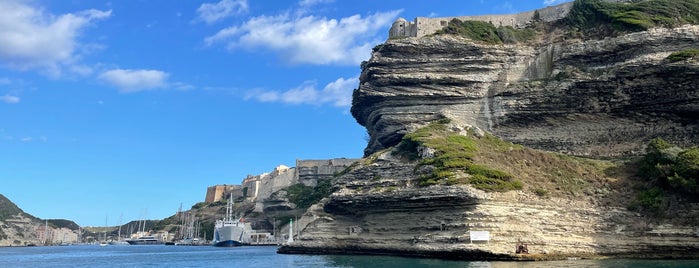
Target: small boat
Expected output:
[103,243]
[118,243]
[145,240]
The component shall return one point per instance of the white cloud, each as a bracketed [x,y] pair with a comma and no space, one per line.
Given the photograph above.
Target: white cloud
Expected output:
[26,139]
[309,39]
[134,80]
[211,13]
[31,39]
[338,93]
[554,2]
[9,99]
[307,3]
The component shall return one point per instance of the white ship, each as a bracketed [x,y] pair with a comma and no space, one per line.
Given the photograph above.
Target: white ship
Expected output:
[229,232]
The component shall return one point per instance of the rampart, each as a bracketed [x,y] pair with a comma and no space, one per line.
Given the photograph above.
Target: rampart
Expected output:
[310,171]
[217,192]
[422,26]
[261,187]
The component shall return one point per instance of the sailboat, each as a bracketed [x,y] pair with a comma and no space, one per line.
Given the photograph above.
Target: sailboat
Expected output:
[103,242]
[119,241]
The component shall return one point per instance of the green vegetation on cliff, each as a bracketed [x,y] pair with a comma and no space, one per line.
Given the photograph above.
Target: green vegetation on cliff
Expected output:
[62,223]
[453,157]
[491,164]
[687,54]
[487,33]
[671,167]
[7,208]
[589,15]
[305,196]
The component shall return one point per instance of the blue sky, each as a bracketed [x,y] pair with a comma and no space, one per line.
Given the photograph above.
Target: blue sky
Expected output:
[134,107]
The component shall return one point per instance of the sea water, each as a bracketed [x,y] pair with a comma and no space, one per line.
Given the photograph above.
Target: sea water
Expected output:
[206,256]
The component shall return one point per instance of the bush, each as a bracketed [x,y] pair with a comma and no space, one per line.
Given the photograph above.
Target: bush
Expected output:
[305,196]
[670,166]
[683,55]
[649,200]
[541,192]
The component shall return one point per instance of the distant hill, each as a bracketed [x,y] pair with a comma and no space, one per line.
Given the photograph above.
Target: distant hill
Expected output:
[7,208]
[62,223]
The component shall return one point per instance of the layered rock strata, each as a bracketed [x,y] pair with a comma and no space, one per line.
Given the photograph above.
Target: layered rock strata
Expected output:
[378,209]
[584,97]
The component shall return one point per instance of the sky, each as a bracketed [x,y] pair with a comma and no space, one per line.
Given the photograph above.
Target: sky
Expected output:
[112,111]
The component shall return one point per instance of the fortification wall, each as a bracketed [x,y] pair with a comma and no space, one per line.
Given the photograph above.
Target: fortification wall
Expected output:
[261,187]
[425,26]
[275,181]
[218,192]
[309,172]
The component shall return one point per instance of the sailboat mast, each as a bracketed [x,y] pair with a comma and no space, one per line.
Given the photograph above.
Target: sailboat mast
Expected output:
[46,232]
[120,219]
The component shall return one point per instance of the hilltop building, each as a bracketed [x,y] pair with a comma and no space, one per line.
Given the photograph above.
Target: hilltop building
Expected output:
[423,26]
[262,186]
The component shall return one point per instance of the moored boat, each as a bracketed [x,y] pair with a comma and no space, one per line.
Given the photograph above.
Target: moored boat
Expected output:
[229,232]
[145,240]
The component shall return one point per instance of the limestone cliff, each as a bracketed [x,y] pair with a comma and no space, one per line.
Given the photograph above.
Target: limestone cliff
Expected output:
[379,208]
[585,97]
[561,93]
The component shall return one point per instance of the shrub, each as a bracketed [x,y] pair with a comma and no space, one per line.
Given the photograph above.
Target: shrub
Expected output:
[541,192]
[670,166]
[305,196]
[686,54]
[649,200]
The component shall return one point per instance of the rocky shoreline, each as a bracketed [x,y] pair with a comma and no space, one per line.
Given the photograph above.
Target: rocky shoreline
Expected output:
[479,255]
[390,215]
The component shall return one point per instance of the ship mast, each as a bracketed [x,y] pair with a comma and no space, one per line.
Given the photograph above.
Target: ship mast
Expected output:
[229,208]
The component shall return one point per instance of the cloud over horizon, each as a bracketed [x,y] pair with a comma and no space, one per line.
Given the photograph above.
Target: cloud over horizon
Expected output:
[308,3]
[554,2]
[128,81]
[212,13]
[308,39]
[9,99]
[31,39]
[338,93]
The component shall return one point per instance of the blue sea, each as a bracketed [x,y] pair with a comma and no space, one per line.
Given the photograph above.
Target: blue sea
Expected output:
[205,256]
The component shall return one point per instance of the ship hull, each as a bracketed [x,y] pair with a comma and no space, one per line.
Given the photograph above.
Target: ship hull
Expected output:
[228,243]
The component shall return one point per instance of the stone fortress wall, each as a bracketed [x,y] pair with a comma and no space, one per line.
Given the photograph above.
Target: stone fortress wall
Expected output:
[260,187]
[422,26]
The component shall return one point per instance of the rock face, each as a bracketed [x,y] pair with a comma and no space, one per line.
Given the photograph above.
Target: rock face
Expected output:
[593,98]
[18,228]
[378,209]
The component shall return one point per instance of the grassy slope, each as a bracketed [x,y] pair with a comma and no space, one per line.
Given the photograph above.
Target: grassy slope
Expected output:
[491,164]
